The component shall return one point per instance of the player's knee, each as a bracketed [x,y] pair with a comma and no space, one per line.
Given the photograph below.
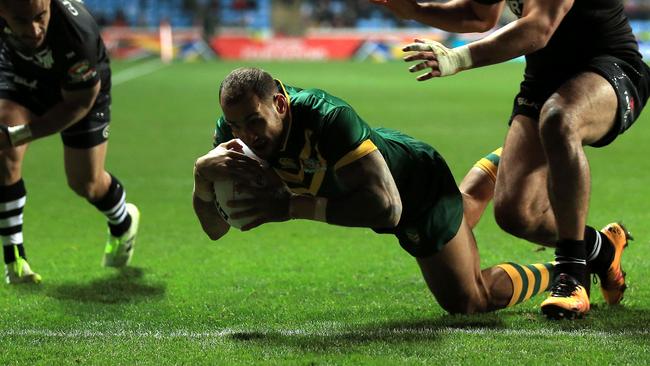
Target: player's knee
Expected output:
[10,167]
[511,218]
[555,124]
[466,304]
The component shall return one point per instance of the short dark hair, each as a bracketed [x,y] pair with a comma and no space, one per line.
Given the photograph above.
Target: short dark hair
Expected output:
[242,81]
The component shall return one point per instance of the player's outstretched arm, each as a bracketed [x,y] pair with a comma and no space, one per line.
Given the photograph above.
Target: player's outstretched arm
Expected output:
[457,16]
[526,35]
[74,106]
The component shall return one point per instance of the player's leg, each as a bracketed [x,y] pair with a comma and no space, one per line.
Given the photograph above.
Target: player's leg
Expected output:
[582,111]
[84,156]
[12,199]
[521,204]
[454,277]
[477,186]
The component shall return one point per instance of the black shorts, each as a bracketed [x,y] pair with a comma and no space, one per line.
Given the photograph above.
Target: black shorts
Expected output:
[630,83]
[38,96]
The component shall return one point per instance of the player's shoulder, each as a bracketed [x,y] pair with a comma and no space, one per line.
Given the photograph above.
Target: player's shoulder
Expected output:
[72,19]
[318,100]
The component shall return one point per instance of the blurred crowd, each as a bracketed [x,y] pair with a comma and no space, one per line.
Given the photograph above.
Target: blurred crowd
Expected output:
[259,13]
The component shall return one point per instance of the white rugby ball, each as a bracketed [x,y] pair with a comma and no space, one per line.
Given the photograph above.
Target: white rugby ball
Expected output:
[224,191]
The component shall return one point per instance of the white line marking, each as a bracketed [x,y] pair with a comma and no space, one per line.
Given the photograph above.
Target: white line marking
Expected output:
[227,332]
[137,71]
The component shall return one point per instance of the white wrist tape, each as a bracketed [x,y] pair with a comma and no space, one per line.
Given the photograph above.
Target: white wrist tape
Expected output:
[450,60]
[20,134]
[453,60]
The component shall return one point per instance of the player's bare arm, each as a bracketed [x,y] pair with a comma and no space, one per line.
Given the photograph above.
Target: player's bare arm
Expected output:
[74,106]
[372,199]
[526,35]
[458,16]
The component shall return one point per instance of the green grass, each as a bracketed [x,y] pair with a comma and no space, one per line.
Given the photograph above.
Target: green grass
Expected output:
[300,292]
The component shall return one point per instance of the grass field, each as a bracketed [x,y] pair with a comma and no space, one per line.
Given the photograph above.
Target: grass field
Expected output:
[299,292]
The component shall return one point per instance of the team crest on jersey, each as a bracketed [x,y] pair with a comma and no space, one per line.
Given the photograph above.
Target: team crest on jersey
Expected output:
[313,165]
[516,7]
[82,71]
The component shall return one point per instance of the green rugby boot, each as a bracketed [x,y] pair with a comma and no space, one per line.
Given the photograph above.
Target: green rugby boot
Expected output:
[19,271]
[119,250]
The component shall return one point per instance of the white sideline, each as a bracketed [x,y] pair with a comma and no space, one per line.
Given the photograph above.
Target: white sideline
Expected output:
[223,333]
[135,72]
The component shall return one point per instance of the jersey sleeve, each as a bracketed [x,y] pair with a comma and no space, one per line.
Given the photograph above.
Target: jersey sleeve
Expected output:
[345,138]
[222,133]
[82,45]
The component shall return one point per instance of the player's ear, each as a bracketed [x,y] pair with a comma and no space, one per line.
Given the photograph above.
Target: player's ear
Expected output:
[281,103]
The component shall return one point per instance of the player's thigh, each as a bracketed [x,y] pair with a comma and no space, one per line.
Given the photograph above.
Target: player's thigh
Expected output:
[587,103]
[11,114]
[521,178]
[453,274]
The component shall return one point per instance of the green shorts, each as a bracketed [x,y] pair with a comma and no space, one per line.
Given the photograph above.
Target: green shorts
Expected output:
[432,206]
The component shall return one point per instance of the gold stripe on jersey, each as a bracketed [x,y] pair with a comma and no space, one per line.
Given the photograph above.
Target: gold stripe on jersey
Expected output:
[362,150]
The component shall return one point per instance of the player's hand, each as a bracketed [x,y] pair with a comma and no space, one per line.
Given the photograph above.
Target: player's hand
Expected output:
[269,202]
[227,161]
[434,55]
[405,9]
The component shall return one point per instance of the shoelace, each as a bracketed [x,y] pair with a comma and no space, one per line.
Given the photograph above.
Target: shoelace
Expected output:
[563,289]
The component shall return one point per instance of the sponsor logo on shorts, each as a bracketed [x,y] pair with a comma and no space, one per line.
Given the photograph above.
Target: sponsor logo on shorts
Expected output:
[106,131]
[524,102]
[412,235]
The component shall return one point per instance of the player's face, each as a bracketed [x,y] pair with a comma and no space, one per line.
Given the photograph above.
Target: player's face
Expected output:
[28,20]
[258,123]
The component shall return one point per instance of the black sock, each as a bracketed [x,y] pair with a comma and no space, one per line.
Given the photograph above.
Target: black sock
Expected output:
[113,205]
[10,253]
[570,256]
[600,251]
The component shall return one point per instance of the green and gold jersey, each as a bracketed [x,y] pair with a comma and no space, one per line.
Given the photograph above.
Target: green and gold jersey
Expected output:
[326,134]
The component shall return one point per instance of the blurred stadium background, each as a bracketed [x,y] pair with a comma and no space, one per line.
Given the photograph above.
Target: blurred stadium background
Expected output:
[298,292]
[280,29]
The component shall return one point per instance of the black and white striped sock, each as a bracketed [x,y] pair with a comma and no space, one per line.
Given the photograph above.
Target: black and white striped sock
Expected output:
[113,206]
[12,201]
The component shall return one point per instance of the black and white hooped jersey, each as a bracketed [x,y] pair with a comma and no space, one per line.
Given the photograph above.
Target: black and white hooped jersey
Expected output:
[73,55]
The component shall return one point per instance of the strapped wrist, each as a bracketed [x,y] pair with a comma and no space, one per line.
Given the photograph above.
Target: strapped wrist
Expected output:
[19,134]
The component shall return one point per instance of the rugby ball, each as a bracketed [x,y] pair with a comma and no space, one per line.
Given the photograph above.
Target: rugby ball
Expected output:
[224,191]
